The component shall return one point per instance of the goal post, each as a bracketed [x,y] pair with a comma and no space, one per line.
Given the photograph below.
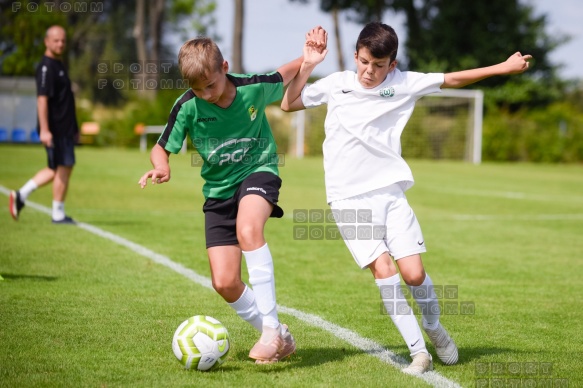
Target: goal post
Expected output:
[446,125]
[474,140]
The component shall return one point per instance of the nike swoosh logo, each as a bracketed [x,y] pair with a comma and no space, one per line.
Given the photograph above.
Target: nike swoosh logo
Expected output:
[414,343]
[420,243]
[346,91]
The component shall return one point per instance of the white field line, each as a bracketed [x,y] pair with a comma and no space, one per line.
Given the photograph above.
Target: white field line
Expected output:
[366,345]
[492,217]
[516,217]
[517,195]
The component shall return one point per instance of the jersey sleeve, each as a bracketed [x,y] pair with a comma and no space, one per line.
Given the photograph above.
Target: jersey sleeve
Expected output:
[177,127]
[273,89]
[45,83]
[422,84]
[318,93]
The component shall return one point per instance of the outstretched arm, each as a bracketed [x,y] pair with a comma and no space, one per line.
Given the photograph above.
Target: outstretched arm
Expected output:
[289,70]
[515,64]
[314,53]
[161,171]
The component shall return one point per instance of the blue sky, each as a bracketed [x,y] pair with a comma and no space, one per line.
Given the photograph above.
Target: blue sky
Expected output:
[275,32]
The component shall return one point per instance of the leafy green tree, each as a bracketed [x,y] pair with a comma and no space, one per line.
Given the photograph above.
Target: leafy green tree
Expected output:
[456,34]
[451,35]
[23,27]
[100,36]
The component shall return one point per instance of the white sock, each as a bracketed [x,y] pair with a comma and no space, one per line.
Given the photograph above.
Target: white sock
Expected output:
[58,210]
[427,300]
[260,267]
[246,308]
[27,189]
[401,313]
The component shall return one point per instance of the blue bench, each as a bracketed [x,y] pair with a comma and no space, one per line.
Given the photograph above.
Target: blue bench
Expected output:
[3,135]
[34,137]
[19,135]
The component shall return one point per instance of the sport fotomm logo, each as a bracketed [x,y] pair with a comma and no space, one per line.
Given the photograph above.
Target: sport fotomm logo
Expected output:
[231,151]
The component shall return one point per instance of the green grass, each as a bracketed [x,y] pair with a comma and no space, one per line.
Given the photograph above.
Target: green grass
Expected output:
[79,310]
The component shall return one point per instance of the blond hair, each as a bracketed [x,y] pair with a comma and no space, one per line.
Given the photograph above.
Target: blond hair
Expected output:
[198,58]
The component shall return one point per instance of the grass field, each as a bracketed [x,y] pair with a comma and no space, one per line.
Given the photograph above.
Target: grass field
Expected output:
[80,310]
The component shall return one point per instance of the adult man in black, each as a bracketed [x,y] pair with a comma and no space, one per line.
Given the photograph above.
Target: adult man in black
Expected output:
[57,125]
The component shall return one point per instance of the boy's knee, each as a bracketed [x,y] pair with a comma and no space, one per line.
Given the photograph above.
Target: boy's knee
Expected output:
[250,237]
[227,288]
[414,278]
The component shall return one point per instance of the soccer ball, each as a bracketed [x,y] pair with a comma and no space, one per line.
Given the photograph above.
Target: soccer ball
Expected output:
[201,343]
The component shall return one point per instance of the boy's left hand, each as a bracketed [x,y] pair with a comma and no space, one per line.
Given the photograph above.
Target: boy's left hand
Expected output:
[517,63]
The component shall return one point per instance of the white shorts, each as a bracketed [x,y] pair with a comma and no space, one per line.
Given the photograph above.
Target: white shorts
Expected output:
[376,222]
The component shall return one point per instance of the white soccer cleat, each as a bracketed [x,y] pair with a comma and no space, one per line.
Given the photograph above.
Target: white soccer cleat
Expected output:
[421,363]
[444,346]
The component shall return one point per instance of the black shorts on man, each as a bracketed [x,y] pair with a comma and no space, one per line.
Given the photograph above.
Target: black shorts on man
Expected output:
[62,153]
[221,215]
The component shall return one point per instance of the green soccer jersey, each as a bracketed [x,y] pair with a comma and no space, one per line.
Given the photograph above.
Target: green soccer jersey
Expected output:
[232,142]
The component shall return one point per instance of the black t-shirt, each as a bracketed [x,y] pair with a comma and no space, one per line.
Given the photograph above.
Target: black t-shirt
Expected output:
[53,81]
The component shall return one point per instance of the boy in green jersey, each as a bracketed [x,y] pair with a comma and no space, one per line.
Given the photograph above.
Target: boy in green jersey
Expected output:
[224,116]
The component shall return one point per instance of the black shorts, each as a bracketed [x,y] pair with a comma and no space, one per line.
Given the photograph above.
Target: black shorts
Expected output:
[62,153]
[220,215]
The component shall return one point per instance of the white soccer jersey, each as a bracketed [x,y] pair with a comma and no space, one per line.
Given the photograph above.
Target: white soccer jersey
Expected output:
[362,149]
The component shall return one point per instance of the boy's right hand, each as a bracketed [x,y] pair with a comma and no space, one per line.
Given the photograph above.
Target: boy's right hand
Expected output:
[157,176]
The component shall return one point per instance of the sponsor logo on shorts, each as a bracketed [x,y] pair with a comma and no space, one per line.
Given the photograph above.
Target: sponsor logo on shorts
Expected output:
[256,189]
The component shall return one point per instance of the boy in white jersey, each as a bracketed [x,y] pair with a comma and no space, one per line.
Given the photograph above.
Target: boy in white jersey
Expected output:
[224,115]
[365,173]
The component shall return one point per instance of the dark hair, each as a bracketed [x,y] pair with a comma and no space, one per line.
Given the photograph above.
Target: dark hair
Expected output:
[380,39]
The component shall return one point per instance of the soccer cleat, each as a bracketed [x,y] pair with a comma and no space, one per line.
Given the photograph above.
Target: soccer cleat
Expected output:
[289,347]
[65,221]
[289,344]
[268,345]
[444,346]
[421,363]
[15,204]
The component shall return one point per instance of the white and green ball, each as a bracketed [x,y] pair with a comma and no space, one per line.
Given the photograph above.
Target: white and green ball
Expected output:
[201,343]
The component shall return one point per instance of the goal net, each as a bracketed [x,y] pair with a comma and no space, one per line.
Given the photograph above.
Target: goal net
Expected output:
[446,126]
[443,126]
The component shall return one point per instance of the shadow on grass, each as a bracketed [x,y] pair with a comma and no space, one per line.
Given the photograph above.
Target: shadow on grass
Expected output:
[302,358]
[468,355]
[42,278]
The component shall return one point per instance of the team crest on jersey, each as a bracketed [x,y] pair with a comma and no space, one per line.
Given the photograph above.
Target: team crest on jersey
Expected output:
[252,113]
[387,92]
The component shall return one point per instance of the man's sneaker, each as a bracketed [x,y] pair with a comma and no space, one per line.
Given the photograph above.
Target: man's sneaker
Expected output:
[16,204]
[289,347]
[421,363]
[65,221]
[268,345]
[444,346]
